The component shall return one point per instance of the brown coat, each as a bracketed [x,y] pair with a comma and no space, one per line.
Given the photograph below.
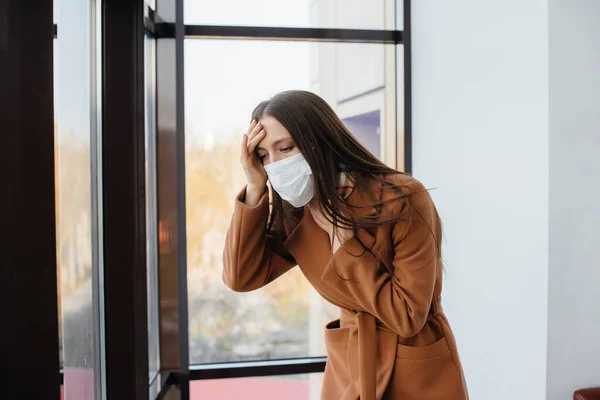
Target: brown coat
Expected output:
[392,340]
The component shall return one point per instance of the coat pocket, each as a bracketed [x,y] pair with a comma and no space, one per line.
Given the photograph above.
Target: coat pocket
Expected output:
[423,352]
[425,373]
[337,373]
[334,333]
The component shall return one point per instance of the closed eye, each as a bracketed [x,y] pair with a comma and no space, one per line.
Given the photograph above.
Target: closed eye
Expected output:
[263,157]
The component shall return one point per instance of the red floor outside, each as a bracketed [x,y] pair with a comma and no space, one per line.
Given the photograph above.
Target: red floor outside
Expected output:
[80,383]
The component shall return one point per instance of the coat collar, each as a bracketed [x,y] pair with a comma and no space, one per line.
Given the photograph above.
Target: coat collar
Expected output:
[307,234]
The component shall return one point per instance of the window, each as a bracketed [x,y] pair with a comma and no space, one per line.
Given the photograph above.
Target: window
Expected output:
[224,80]
[348,14]
[285,319]
[77,197]
[151,208]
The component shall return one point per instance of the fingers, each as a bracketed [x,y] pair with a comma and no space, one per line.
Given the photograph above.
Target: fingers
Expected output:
[254,141]
[252,138]
[252,125]
[244,149]
[254,129]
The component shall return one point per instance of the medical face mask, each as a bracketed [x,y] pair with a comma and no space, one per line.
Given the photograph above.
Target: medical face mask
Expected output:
[292,179]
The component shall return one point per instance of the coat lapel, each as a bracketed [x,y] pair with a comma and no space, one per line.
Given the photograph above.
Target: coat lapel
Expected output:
[308,243]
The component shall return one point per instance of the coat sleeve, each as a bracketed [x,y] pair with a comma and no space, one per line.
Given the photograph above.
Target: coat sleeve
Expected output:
[401,300]
[251,258]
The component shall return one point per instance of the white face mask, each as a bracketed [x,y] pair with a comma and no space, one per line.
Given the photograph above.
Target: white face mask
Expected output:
[292,179]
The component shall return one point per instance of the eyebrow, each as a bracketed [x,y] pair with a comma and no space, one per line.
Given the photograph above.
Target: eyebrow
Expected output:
[275,143]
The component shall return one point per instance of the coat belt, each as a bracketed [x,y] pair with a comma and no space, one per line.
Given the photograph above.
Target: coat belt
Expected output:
[367,354]
[371,351]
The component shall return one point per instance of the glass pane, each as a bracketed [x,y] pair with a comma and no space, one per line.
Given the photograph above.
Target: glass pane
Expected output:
[399,14]
[151,216]
[286,318]
[400,106]
[351,14]
[295,387]
[76,198]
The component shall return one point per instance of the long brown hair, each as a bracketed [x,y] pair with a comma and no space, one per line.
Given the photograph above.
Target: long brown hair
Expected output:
[329,147]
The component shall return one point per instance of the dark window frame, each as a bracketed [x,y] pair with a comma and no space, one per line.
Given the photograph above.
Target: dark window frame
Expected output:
[124,213]
[28,266]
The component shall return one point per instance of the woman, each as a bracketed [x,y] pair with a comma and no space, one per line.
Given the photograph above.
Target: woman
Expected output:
[366,236]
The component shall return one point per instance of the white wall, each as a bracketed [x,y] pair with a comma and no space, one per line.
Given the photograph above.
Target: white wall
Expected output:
[574,274]
[480,126]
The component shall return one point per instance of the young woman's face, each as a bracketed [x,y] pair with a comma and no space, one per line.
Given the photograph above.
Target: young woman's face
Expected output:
[277,144]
